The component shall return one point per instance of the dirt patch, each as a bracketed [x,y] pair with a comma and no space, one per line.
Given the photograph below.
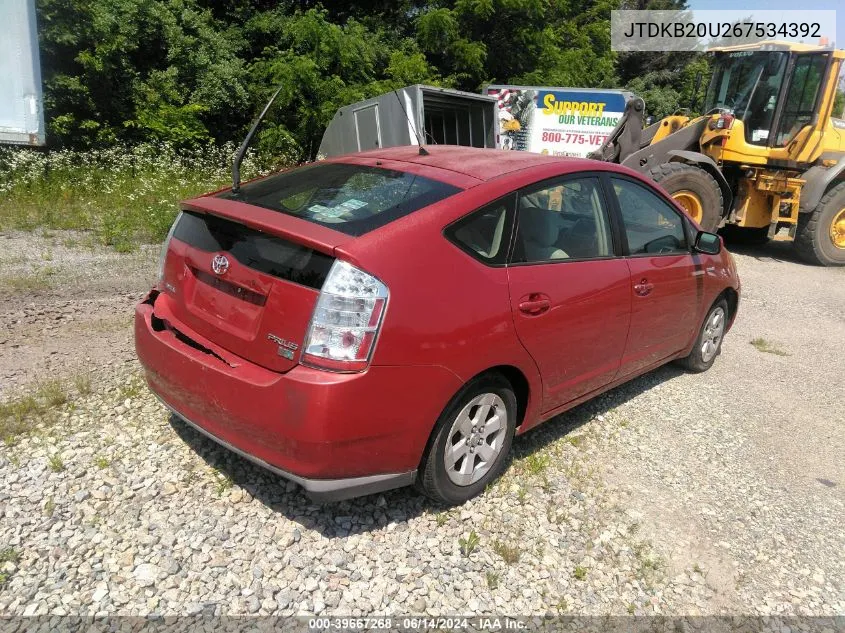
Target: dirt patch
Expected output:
[66,306]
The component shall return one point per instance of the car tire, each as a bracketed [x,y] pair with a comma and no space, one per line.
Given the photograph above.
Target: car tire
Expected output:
[708,343]
[682,181]
[814,236]
[468,425]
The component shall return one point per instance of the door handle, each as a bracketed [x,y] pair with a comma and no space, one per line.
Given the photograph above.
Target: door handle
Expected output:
[643,288]
[535,305]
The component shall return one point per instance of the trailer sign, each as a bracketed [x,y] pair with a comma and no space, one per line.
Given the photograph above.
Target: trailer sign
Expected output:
[556,121]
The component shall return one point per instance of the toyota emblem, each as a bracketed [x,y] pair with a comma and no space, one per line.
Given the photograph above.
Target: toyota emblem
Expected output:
[220,264]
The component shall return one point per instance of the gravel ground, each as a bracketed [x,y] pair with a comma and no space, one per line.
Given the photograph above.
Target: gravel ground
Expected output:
[675,494]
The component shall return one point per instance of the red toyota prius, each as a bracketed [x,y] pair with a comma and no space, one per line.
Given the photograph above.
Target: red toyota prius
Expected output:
[396,316]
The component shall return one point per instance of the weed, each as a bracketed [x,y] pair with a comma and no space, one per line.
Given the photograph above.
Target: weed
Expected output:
[52,393]
[469,543]
[509,553]
[697,568]
[441,518]
[224,483]
[82,382]
[522,495]
[574,440]
[102,462]
[123,195]
[762,345]
[9,555]
[632,608]
[49,507]
[55,463]
[562,605]
[132,388]
[536,463]
[38,279]
[579,573]
[492,579]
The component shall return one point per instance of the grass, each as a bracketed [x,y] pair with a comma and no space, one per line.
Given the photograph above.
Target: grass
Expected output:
[55,463]
[762,345]
[41,278]
[52,393]
[509,553]
[102,462]
[536,463]
[83,384]
[224,484]
[441,518]
[492,579]
[469,544]
[579,573]
[123,195]
[132,388]
[19,415]
[9,555]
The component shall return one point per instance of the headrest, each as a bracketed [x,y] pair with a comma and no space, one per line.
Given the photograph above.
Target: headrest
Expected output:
[538,225]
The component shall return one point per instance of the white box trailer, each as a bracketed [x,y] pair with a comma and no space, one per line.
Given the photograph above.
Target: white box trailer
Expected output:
[438,115]
[21,100]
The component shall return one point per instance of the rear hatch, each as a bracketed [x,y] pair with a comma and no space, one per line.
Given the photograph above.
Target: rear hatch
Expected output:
[244,270]
[247,290]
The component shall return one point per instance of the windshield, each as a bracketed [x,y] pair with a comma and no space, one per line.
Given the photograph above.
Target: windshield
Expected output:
[746,84]
[352,199]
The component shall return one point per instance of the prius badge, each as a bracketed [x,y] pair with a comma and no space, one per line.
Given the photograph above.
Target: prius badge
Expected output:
[220,264]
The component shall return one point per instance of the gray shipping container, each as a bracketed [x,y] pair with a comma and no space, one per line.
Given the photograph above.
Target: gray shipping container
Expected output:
[447,117]
[21,101]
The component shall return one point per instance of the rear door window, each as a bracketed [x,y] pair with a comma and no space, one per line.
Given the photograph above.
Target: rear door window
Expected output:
[352,199]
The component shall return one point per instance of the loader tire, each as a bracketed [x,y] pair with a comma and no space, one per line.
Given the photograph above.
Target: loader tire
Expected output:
[820,238]
[694,189]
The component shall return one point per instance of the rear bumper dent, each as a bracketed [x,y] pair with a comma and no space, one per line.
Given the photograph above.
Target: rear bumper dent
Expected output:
[319,490]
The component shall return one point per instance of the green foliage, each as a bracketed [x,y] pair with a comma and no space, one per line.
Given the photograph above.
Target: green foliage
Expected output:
[124,195]
[186,72]
[473,42]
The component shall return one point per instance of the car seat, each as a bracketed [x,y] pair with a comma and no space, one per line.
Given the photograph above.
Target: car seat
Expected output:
[539,229]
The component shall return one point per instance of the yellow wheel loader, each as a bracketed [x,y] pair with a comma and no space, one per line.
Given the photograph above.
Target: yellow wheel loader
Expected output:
[767,154]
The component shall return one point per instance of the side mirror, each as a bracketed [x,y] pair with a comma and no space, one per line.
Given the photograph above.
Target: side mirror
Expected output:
[708,243]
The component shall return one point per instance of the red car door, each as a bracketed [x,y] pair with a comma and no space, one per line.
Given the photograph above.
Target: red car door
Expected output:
[570,293]
[665,278]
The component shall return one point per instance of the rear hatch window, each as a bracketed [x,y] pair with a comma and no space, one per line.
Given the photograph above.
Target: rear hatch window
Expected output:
[352,199]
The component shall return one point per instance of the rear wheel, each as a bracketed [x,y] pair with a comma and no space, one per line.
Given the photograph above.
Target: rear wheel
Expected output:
[820,237]
[694,189]
[708,345]
[470,441]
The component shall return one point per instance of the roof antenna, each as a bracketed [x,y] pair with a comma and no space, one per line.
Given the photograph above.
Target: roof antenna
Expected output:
[420,140]
[239,157]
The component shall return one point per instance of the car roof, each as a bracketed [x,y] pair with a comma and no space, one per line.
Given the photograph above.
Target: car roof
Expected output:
[479,163]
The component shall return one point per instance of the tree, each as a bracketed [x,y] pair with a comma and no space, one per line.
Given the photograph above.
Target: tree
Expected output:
[472,42]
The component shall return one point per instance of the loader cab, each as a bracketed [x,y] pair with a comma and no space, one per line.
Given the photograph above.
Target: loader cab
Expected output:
[766,99]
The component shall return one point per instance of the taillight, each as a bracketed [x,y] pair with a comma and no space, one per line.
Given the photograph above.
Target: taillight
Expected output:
[163,257]
[346,320]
